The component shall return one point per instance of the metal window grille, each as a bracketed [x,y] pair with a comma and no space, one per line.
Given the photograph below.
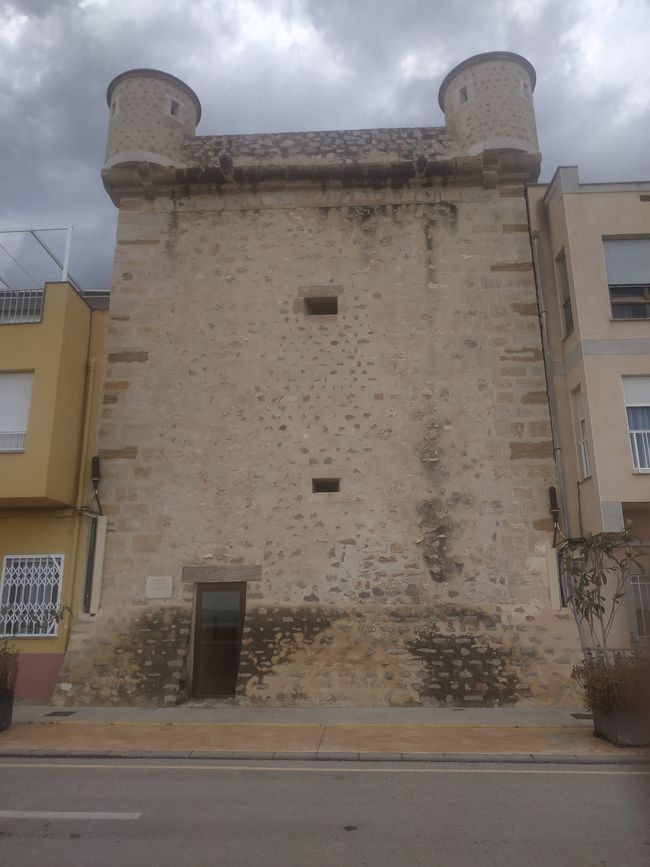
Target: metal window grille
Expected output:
[30,594]
[580,424]
[21,305]
[639,602]
[638,419]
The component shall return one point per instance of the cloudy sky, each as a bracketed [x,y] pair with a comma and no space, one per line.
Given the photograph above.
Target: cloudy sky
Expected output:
[282,65]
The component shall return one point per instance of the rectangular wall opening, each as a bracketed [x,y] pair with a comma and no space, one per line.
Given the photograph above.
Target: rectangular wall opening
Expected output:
[324,305]
[325,486]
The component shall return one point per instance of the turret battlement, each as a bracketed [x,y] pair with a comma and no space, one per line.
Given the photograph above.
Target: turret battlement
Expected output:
[152,114]
[488,103]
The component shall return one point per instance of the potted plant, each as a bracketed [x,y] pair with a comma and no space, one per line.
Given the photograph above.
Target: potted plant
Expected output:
[615,682]
[9,657]
[8,677]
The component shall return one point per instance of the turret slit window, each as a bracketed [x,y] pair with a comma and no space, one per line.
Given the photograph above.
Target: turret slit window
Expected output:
[525,90]
[580,425]
[463,96]
[637,406]
[627,262]
[564,293]
[114,107]
[175,109]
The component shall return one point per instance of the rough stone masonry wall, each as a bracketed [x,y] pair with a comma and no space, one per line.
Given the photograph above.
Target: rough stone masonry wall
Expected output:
[422,581]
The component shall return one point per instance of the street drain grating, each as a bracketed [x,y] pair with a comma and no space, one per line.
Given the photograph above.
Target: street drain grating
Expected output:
[581,715]
[60,713]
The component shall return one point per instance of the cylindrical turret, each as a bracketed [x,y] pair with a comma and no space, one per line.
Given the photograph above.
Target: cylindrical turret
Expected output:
[152,113]
[488,103]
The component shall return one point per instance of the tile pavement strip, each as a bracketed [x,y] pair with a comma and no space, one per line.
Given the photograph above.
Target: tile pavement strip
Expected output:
[365,743]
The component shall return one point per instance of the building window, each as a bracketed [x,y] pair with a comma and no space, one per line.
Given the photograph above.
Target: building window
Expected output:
[114,107]
[637,405]
[580,427]
[15,398]
[639,603]
[30,594]
[325,486]
[463,96]
[564,293]
[175,108]
[525,90]
[627,262]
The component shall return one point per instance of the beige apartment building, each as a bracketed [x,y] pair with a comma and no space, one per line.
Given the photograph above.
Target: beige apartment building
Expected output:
[592,250]
[325,432]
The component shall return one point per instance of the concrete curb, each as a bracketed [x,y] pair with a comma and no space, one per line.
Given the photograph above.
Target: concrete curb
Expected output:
[242,755]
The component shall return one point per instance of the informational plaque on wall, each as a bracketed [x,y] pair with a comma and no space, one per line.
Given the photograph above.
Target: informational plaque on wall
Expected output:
[159,587]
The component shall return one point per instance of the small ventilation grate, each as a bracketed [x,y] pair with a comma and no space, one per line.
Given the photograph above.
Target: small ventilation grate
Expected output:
[60,713]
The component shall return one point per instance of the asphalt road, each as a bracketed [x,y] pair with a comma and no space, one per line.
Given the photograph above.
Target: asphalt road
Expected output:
[90,813]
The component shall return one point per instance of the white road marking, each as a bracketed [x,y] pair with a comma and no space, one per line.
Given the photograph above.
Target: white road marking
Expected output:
[61,814]
[339,770]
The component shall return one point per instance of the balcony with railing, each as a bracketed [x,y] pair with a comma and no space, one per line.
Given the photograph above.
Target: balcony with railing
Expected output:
[12,441]
[18,306]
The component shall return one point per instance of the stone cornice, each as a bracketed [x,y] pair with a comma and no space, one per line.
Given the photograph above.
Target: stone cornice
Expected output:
[487,170]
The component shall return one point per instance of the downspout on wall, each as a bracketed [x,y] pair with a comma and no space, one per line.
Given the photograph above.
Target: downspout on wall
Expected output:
[550,385]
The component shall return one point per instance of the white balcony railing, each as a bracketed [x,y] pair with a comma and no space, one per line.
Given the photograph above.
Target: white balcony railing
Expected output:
[640,441]
[20,305]
[12,441]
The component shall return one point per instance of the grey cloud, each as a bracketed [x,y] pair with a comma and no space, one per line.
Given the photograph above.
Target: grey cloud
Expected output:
[53,81]
[38,8]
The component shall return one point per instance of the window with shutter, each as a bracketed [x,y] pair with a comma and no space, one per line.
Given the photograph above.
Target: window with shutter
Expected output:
[627,262]
[15,398]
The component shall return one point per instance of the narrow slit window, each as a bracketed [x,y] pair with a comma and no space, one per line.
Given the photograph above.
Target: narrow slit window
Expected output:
[565,294]
[326,486]
[175,108]
[324,305]
[114,107]
[580,426]
[463,95]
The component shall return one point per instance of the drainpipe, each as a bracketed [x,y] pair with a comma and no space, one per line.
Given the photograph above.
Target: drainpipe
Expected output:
[79,502]
[550,386]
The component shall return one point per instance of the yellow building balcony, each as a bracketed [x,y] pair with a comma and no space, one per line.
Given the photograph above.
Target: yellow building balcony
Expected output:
[44,340]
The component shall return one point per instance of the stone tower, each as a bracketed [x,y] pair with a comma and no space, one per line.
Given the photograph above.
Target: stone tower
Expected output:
[325,412]
[151,115]
[488,103]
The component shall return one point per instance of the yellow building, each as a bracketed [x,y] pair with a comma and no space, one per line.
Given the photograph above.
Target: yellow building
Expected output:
[592,258]
[51,357]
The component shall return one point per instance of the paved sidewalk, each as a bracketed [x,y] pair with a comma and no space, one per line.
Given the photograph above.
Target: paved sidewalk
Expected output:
[423,734]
